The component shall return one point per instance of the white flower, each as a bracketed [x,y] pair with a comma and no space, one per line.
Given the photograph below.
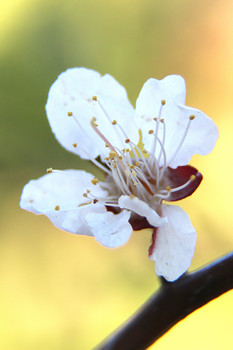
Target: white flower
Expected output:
[144,154]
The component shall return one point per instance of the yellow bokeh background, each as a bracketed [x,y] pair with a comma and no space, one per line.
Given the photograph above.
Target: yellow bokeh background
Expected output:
[62,291]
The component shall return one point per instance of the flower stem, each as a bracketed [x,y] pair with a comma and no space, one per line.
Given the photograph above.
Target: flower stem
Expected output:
[170,304]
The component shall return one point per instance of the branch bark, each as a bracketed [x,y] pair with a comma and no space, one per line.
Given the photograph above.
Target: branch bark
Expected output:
[170,304]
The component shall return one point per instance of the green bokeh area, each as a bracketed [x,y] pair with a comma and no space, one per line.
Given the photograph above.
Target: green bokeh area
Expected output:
[61,291]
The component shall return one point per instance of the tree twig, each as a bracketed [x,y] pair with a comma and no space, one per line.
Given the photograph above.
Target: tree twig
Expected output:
[170,304]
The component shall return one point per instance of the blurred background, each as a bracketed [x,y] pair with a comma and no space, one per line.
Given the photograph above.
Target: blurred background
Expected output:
[62,291]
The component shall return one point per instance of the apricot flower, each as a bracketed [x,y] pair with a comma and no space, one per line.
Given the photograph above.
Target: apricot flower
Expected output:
[144,154]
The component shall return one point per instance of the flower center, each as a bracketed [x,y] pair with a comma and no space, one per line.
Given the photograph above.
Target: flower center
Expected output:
[134,170]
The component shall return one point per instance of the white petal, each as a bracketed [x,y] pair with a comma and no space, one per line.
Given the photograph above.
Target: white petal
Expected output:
[111,230]
[59,195]
[174,244]
[201,136]
[73,92]
[141,208]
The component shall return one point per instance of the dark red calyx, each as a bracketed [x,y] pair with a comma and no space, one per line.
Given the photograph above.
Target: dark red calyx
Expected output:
[177,177]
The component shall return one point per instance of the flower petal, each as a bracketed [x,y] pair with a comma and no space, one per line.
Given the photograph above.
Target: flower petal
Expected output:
[72,93]
[198,137]
[141,208]
[174,244]
[201,137]
[59,196]
[111,230]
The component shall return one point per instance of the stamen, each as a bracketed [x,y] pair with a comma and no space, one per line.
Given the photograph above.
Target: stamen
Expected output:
[191,118]
[57,207]
[94,125]
[192,178]
[153,148]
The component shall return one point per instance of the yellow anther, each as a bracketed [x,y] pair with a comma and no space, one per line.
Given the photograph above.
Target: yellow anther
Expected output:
[134,173]
[127,150]
[112,154]
[131,166]
[135,183]
[106,145]
[88,191]
[137,163]
[192,177]
[94,98]
[120,157]
[93,122]
[163,102]
[192,117]
[162,120]
[106,158]
[57,207]
[132,196]
[155,119]
[168,188]
[150,132]
[95,181]
[114,166]
[114,122]
[85,195]
[127,141]
[75,145]
[49,170]
[69,114]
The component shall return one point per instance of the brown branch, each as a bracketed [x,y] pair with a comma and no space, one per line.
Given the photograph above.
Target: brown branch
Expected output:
[170,304]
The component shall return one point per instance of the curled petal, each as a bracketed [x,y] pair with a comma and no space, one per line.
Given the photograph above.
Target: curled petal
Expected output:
[72,94]
[111,230]
[59,196]
[174,244]
[141,208]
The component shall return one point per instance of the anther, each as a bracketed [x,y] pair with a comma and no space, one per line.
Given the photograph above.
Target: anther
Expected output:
[137,163]
[163,102]
[192,117]
[85,195]
[131,166]
[168,188]
[95,181]
[192,177]
[57,207]
[95,201]
[112,155]
[114,122]
[49,170]
[155,119]
[93,122]
[162,120]
[150,132]
[94,98]
[74,145]
[69,114]
[127,141]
